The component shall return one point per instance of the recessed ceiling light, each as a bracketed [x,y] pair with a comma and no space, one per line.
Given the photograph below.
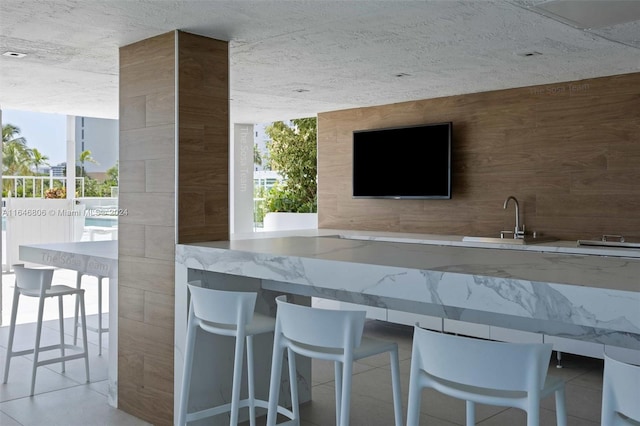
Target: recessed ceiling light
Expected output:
[14,54]
[529,54]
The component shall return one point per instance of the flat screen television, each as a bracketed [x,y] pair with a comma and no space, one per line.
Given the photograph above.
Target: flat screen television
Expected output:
[403,162]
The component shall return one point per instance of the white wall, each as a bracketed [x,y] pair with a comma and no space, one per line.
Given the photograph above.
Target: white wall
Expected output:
[241,188]
[100,136]
[40,221]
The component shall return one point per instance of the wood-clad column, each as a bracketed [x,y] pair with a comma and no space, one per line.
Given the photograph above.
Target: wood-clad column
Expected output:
[173,116]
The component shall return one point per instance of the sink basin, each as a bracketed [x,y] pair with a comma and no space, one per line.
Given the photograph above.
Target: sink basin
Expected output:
[625,244]
[519,241]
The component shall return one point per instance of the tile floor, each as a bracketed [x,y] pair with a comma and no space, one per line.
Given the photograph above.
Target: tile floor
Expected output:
[371,395]
[60,399]
[66,400]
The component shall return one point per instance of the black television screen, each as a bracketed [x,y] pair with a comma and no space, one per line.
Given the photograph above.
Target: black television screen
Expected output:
[405,162]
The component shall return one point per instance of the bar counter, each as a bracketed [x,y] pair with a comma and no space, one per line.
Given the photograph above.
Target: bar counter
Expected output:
[581,294]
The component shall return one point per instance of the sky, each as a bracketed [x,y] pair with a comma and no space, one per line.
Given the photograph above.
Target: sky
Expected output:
[46,132]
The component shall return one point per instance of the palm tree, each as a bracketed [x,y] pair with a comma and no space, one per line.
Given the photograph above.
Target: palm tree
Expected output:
[38,159]
[16,156]
[9,131]
[85,156]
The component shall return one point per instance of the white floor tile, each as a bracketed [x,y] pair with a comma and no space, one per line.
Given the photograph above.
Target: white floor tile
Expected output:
[77,406]
[57,395]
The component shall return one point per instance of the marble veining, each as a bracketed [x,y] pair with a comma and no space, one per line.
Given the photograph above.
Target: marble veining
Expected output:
[595,298]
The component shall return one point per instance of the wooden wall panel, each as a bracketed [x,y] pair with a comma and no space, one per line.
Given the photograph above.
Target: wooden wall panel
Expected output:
[148,147]
[568,151]
[146,274]
[203,169]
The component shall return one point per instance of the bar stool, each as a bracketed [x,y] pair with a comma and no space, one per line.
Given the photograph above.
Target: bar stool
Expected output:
[620,393]
[330,335]
[76,323]
[36,282]
[484,372]
[224,313]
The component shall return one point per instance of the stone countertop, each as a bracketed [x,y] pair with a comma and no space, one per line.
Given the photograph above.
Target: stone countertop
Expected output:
[92,257]
[553,246]
[557,262]
[582,296]
[105,249]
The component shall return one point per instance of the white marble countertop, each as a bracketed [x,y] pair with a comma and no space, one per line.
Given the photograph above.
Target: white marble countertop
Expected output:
[589,296]
[561,262]
[93,257]
[555,246]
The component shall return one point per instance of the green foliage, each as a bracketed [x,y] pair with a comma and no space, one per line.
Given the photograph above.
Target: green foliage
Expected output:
[259,193]
[283,198]
[17,159]
[293,153]
[84,157]
[112,176]
[257,157]
[94,188]
[38,159]
[16,155]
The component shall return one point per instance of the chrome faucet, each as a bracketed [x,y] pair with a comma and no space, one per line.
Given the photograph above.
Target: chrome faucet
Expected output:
[518,233]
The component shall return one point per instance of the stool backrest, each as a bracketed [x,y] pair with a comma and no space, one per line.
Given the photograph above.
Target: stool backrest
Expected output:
[482,363]
[620,391]
[222,307]
[33,278]
[319,327]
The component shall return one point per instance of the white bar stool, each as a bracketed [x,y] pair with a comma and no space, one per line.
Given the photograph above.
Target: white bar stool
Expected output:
[620,393]
[76,323]
[36,282]
[330,335]
[484,372]
[224,313]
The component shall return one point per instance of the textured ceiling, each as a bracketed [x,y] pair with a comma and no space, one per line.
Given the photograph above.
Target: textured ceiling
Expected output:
[291,59]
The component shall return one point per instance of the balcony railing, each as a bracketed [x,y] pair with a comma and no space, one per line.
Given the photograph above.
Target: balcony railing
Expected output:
[36,186]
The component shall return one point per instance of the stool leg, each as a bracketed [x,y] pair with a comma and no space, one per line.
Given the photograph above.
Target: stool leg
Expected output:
[274,384]
[561,408]
[12,330]
[293,379]
[415,394]
[471,413]
[395,384]
[61,319]
[84,334]
[186,371]
[345,405]
[237,378]
[75,315]
[99,316]
[533,414]
[36,348]
[251,382]
[337,366]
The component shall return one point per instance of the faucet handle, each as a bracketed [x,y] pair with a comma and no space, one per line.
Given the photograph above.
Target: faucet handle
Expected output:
[505,233]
